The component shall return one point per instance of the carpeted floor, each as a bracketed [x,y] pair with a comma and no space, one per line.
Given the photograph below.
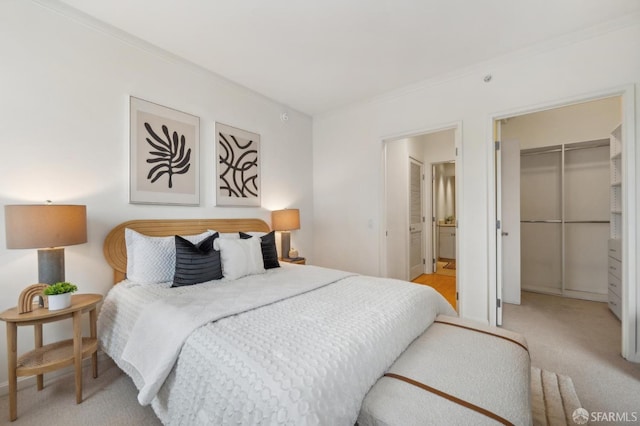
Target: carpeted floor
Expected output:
[109,400]
[582,340]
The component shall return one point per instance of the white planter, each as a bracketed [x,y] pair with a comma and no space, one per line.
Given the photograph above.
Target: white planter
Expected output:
[59,301]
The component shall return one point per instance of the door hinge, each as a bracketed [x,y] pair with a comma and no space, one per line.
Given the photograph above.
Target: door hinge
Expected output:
[497,145]
[456,295]
[433,264]
[499,303]
[423,219]
[433,218]
[386,233]
[456,152]
[497,224]
[424,261]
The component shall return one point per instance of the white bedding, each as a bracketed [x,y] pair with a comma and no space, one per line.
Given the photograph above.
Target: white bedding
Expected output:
[308,359]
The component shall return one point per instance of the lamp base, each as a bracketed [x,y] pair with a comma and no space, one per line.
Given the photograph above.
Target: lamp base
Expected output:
[51,265]
[285,243]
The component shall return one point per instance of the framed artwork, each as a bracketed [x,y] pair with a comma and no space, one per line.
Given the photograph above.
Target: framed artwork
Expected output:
[237,167]
[164,155]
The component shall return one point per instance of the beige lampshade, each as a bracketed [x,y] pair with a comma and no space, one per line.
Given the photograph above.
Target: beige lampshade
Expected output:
[45,225]
[285,220]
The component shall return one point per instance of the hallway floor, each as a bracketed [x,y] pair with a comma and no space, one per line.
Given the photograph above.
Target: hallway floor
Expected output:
[443,284]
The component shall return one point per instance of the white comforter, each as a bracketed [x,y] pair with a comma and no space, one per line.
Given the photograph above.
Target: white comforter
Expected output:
[308,359]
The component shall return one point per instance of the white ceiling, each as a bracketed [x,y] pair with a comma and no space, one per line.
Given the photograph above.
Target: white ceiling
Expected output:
[316,55]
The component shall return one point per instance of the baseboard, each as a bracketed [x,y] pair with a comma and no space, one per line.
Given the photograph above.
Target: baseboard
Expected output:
[28,381]
[584,295]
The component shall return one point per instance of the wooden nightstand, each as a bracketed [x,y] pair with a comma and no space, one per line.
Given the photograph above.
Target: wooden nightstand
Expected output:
[44,359]
[296,260]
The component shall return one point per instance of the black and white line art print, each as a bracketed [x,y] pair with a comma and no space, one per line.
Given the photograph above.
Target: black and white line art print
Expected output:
[237,167]
[164,155]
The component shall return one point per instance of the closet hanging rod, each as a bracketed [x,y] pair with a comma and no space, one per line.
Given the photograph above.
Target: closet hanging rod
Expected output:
[601,145]
[566,221]
[548,151]
[567,147]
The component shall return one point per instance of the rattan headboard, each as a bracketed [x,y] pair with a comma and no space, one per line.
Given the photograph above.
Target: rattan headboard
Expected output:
[115,249]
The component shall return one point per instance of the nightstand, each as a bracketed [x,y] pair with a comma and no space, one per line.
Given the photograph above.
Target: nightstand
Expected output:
[296,260]
[44,359]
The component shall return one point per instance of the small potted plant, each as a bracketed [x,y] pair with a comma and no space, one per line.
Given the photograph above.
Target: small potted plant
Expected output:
[59,295]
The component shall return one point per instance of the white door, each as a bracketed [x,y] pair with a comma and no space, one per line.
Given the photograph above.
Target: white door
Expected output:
[498,228]
[510,232]
[416,217]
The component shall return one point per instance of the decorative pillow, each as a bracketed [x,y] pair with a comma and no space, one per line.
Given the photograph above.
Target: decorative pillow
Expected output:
[226,236]
[240,257]
[153,259]
[196,263]
[268,246]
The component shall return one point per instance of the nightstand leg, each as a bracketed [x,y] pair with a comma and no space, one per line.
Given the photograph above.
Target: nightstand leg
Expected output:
[12,355]
[77,353]
[37,332]
[93,317]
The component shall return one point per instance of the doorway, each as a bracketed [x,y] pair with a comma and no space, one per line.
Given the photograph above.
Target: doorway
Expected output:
[566,151]
[443,202]
[410,228]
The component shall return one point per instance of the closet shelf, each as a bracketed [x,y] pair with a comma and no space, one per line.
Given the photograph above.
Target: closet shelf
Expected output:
[614,184]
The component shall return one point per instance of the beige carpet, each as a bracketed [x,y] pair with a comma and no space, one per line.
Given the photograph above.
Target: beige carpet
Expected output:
[582,340]
[553,399]
[109,400]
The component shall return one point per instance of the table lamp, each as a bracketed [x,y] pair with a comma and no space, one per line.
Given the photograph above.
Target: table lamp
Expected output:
[46,227]
[285,221]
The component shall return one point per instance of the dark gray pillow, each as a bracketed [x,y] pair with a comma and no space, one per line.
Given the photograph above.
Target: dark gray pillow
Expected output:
[196,263]
[269,251]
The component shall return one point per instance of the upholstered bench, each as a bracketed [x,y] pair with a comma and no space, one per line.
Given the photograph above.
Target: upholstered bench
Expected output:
[457,372]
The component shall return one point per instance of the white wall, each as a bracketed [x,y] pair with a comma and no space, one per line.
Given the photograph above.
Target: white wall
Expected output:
[347,146]
[65,90]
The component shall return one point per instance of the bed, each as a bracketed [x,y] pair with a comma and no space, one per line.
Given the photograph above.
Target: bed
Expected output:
[289,344]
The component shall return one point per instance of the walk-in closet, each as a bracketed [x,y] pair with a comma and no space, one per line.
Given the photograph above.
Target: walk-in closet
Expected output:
[569,199]
[565,219]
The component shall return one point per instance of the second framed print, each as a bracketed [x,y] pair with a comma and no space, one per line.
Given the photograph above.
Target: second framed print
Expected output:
[164,155]
[237,167]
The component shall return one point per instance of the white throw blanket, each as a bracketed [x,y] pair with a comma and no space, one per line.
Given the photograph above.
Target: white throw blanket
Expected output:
[163,326]
[305,360]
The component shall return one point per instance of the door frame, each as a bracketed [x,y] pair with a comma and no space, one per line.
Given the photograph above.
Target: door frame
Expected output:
[382,253]
[630,332]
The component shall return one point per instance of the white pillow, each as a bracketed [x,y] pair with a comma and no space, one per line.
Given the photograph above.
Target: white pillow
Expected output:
[240,257]
[153,259]
[225,235]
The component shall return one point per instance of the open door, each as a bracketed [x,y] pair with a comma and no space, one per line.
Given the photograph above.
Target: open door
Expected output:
[510,232]
[416,219]
[498,208]
[508,222]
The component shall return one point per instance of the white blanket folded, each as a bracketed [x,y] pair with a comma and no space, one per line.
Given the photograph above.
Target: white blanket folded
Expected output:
[163,326]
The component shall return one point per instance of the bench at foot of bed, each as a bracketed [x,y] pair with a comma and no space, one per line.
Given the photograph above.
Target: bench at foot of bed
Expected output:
[456,373]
